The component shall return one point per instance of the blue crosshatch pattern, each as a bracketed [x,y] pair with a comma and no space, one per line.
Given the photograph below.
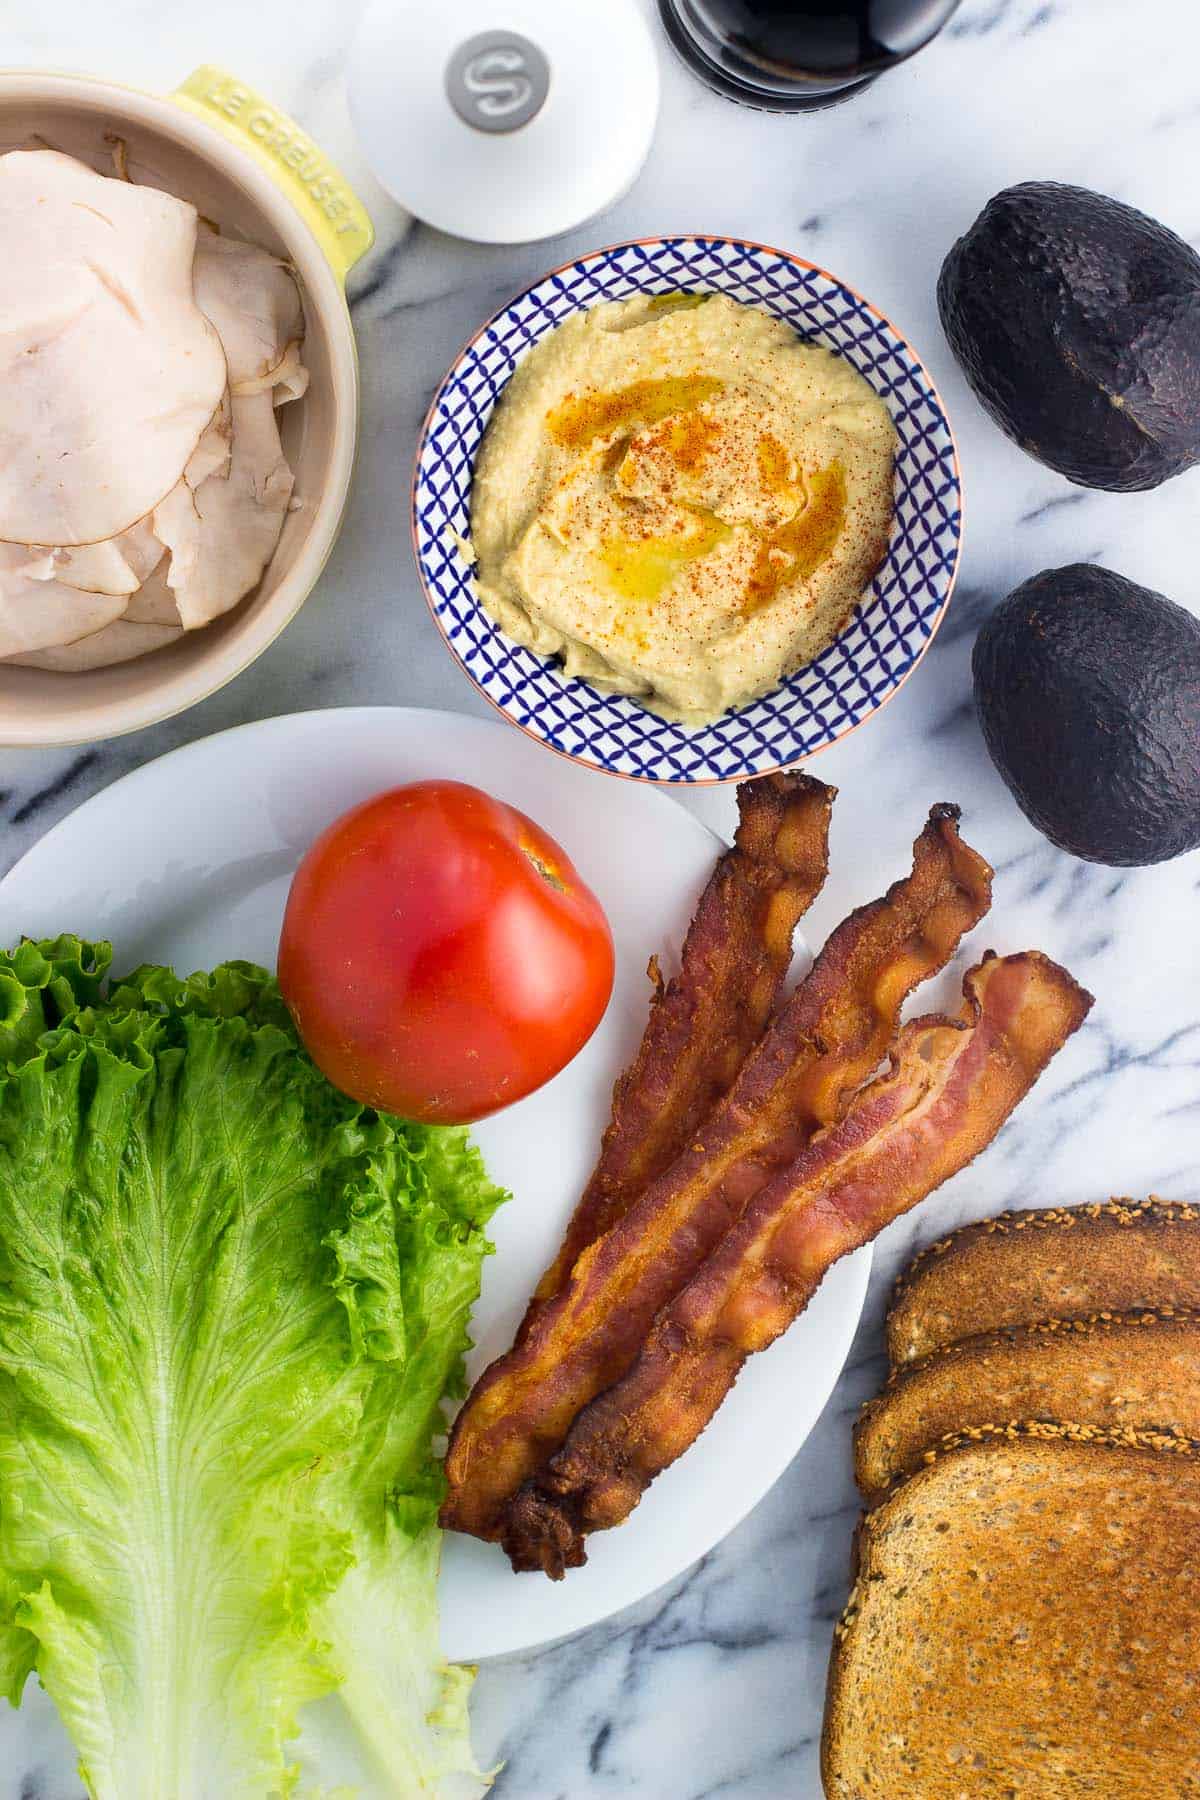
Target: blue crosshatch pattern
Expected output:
[849,681]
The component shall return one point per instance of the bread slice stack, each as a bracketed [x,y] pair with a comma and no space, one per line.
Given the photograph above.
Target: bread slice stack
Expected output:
[1025,1622]
[1065,1262]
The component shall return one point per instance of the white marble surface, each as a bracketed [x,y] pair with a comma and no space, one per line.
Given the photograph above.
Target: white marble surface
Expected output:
[715,1687]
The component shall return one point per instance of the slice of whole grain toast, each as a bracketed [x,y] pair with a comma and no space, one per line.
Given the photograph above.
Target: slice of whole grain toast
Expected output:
[1024,1623]
[1058,1263]
[1139,1369]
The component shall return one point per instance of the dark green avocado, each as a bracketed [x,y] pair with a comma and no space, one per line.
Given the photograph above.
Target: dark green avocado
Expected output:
[1077,322]
[1088,690]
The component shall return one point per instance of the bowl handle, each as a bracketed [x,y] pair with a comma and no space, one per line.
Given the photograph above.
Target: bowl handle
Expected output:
[320,192]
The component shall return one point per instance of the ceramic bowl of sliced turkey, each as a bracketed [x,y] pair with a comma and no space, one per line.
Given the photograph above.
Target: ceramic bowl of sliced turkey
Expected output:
[180,394]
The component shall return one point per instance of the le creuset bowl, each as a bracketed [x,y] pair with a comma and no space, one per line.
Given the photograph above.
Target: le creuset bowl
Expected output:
[886,636]
[249,168]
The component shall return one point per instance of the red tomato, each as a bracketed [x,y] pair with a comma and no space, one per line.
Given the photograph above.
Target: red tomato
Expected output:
[440,955]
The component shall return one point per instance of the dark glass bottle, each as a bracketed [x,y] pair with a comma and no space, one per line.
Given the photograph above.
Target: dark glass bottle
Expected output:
[787,56]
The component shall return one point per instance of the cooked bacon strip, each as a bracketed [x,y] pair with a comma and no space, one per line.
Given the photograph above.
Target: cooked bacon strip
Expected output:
[824,1042]
[951,1085]
[704,1023]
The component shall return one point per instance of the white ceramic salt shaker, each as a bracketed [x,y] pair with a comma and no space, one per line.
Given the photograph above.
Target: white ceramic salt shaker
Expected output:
[505,120]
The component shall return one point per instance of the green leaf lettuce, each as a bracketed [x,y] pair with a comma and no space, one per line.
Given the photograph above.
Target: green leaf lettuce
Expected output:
[231,1305]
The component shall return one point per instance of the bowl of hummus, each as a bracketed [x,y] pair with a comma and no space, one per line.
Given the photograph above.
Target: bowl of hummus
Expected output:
[687,510]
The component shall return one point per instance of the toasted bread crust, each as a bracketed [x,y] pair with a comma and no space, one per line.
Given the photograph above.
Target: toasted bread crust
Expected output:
[1024,1622]
[1112,1370]
[1059,1262]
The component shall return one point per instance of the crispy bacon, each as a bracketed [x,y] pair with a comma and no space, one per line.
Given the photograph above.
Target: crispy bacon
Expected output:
[822,1044]
[703,1024]
[951,1085]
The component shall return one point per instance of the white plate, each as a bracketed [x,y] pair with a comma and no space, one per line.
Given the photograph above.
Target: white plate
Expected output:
[188,861]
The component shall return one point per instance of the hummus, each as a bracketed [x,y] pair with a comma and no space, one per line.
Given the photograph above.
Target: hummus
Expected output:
[681,500]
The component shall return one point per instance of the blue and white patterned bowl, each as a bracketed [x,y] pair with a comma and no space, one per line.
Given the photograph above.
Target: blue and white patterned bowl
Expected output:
[861,669]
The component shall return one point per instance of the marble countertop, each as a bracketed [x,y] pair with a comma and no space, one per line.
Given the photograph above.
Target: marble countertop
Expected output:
[714,1686]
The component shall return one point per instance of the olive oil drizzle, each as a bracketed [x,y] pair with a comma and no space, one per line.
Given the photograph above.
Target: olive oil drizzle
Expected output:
[581,418]
[640,569]
[677,300]
[798,549]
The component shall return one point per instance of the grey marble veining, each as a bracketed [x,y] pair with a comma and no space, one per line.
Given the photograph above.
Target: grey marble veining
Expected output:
[714,1687]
